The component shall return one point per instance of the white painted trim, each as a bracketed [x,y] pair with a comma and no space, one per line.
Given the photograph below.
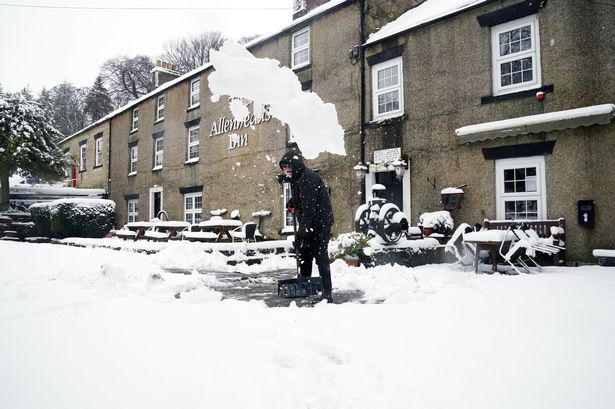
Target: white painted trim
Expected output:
[294,50]
[153,190]
[541,184]
[376,92]
[534,52]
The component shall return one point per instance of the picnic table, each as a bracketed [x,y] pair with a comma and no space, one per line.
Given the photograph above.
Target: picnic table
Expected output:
[134,230]
[221,227]
[165,230]
[488,240]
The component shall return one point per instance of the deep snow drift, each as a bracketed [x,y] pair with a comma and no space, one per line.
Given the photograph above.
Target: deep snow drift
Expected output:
[96,328]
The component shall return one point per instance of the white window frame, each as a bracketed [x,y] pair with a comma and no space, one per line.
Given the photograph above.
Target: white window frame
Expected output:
[399,87]
[134,124]
[98,152]
[158,153]
[287,217]
[193,143]
[83,157]
[295,50]
[540,195]
[132,214]
[193,211]
[160,108]
[195,94]
[153,191]
[533,52]
[134,158]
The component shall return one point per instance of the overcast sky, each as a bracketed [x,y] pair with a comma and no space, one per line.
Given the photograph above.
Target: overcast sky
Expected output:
[42,47]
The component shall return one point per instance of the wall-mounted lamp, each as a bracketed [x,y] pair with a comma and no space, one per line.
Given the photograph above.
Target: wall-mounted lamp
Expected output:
[353,53]
[360,170]
[400,166]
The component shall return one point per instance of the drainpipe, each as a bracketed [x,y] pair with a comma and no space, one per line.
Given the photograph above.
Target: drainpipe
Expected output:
[362,91]
[109,162]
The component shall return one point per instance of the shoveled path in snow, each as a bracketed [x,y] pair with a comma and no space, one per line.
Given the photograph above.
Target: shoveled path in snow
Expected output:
[263,287]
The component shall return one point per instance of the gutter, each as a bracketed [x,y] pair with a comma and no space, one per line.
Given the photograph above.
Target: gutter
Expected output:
[362,91]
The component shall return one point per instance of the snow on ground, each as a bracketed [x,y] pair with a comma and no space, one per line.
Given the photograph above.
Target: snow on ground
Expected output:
[98,328]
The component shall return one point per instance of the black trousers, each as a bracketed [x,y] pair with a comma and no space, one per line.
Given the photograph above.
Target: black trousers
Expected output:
[315,248]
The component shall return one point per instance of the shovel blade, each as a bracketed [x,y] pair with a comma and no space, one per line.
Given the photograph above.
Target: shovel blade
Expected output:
[299,287]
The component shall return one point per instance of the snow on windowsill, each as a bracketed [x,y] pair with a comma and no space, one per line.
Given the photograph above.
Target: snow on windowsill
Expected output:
[159,167]
[191,107]
[190,161]
[159,120]
[132,173]
[379,120]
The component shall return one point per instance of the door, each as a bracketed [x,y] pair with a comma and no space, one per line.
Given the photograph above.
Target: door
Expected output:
[155,202]
[394,188]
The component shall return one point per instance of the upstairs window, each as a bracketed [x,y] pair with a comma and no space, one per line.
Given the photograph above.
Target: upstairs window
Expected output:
[387,82]
[158,153]
[98,156]
[193,143]
[195,92]
[301,48]
[134,153]
[135,120]
[516,56]
[160,108]
[82,157]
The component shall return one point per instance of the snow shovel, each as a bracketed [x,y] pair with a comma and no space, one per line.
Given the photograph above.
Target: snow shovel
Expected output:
[299,287]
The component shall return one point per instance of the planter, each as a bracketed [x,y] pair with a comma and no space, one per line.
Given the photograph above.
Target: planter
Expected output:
[353,262]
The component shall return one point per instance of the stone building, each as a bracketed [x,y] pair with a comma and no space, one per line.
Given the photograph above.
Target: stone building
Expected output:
[429,82]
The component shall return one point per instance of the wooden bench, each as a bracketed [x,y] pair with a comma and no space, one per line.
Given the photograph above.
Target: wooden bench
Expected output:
[544,229]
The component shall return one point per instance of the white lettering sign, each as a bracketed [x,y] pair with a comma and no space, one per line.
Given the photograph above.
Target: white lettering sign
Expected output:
[387,155]
[237,141]
[224,124]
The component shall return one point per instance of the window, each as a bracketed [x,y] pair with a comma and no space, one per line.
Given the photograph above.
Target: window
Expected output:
[98,157]
[195,92]
[520,188]
[133,210]
[82,157]
[301,48]
[193,143]
[134,153]
[388,96]
[158,153]
[288,216]
[160,108]
[516,56]
[193,206]
[135,120]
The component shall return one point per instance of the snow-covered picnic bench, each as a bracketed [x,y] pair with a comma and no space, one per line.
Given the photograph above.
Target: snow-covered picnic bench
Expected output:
[165,230]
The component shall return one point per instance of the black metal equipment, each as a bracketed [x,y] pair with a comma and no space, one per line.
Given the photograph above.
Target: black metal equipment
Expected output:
[299,287]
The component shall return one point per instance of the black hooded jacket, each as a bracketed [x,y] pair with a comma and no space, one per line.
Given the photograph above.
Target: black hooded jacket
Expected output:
[309,195]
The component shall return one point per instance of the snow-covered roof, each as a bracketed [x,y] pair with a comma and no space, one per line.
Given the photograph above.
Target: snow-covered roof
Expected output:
[427,12]
[312,14]
[559,120]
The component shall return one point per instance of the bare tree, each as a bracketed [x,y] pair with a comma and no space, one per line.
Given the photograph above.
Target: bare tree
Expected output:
[127,78]
[67,102]
[247,39]
[191,52]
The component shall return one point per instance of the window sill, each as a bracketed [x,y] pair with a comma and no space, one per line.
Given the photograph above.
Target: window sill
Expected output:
[157,168]
[515,95]
[132,173]
[158,120]
[193,107]
[82,170]
[191,161]
[287,230]
[300,68]
[386,120]
[98,166]
[133,131]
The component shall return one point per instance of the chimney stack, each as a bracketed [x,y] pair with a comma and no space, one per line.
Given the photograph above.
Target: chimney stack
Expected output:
[164,72]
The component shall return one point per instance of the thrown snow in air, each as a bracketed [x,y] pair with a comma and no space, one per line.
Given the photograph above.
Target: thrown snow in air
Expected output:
[313,123]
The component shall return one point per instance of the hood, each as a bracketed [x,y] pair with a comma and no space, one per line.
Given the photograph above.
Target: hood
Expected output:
[296,162]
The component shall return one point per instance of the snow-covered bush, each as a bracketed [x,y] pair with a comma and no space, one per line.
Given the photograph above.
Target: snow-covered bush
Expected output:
[347,245]
[41,217]
[81,217]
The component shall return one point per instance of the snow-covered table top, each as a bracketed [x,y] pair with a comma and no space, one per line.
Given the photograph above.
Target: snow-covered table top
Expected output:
[221,222]
[485,236]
